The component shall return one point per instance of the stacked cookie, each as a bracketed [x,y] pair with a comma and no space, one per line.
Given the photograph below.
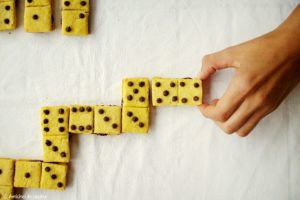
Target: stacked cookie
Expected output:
[7,15]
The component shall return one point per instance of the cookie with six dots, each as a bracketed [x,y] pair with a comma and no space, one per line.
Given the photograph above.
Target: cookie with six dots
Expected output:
[81,119]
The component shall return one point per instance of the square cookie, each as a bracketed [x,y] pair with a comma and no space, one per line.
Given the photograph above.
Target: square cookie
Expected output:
[54,176]
[6,192]
[37,3]
[75,22]
[55,120]
[81,119]
[135,92]
[83,5]
[6,172]
[38,19]
[8,15]
[135,120]
[107,119]
[189,92]
[56,148]
[164,91]
[27,174]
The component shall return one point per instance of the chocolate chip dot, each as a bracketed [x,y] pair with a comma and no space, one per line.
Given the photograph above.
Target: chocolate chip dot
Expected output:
[89,109]
[68,29]
[60,185]
[106,119]
[101,111]
[130,83]
[54,148]
[81,15]
[141,124]
[73,127]
[61,129]
[129,114]
[114,126]
[0,171]
[135,119]
[81,109]
[174,98]
[46,121]
[46,129]
[166,93]
[142,99]
[7,7]
[81,128]
[172,84]
[182,84]
[61,120]
[157,84]
[184,100]
[27,175]
[195,98]
[82,3]
[196,85]
[61,111]
[53,176]
[129,97]
[48,143]
[67,3]
[135,91]
[89,127]
[29,1]
[74,109]
[47,169]
[142,84]
[6,21]
[103,134]
[47,112]
[63,154]
[35,17]
[159,100]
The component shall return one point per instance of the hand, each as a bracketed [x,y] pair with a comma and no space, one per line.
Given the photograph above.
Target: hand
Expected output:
[266,70]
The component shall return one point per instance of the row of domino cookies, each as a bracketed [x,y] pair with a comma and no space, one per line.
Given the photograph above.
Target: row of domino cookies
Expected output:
[75,17]
[8,17]
[30,174]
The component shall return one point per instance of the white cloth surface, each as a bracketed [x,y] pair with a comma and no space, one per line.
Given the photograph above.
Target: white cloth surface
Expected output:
[184,156]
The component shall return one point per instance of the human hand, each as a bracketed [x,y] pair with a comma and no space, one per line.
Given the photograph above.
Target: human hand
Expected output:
[266,70]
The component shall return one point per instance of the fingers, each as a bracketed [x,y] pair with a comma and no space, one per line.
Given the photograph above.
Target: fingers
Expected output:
[213,62]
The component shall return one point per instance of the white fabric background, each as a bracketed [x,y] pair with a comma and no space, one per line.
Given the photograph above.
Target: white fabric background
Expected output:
[185,156]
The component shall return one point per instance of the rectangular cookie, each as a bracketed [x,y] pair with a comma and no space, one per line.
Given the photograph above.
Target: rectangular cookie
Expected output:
[75,22]
[164,91]
[27,174]
[81,119]
[54,176]
[82,5]
[189,92]
[55,120]
[38,19]
[56,148]
[8,20]
[6,172]
[135,120]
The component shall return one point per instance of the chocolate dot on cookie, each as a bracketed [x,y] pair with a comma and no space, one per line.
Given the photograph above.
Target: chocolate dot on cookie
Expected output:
[89,127]
[172,84]
[83,3]
[114,126]
[195,98]
[81,109]
[6,21]
[174,98]
[135,119]
[184,100]
[141,124]
[73,127]
[35,17]
[81,15]
[46,112]
[129,97]
[166,93]
[61,111]
[61,120]
[54,148]
[106,119]
[46,129]
[101,111]
[29,1]
[130,83]
[61,129]
[129,114]
[53,176]
[159,100]
[7,7]
[81,128]
[196,85]
[74,109]
[27,175]
[0,171]
[60,185]
[142,99]
[46,121]
[89,109]
[67,3]
[157,84]
[135,91]
[63,154]
[68,29]
[182,84]
[47,169]
[142,84]
[48,143]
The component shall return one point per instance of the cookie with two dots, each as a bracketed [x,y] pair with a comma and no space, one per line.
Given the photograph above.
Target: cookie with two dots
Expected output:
[8,19]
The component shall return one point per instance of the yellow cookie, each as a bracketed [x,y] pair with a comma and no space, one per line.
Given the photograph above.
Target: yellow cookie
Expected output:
[135,92]
[6,172]
[38,19]
[56,148]
[27,174]
[76,5]
[75,22]
[55,120]
[37,3]
[164,91]
[189,92]
[54,176]
[6,192]
[135,120]
[81,119]
[8,15]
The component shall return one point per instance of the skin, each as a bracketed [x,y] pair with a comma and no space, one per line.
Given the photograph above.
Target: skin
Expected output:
[267,69]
